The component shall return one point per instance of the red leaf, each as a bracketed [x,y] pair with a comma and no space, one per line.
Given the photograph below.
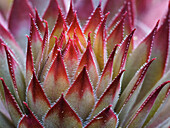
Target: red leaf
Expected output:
[29,120]
[56,81]
[39,23]
[80,95]
[106,119]
[19,21]
[13,108]
[62,115]
[70,14]
[36,98]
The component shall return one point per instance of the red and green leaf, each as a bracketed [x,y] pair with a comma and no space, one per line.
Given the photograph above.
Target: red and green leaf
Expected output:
[62,115]
[80,95]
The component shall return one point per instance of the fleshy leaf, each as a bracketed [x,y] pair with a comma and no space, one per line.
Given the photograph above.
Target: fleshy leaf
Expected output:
[115,37]
[36,98]
[61,115]
[99,44]
[58,29]
[159,102]
[129,95]
[160,50]
[81,5]
[71,59]
[70,14]
[39,23]
[93,22]
[106,119]
[11,104]
[121,56]
[5,122]
[80,95]
[56,81]
[29,120]
[75,26]
[16,75]
[110,96]
[106,77]
[140,116]
[36,43]
[19,21]
[29,63]
[144,51]
[88,60]
[10,41]
[40,5]
[51,13]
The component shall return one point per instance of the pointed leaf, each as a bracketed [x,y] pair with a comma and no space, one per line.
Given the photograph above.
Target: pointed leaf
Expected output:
[88,60]
[56,81]
[19,21]
[99,44]
[78,43]
[58,29]
[115,37]
[106,77]
[13,108]
[61,115]
[121,56]
[93,22]
[106,119]
[16,75]
[29,63]
[36,98]
[144,51]
[70,14]
[129,95]
[29,120]
[110,96]
[75,26]
[71,59]
[140,116]
[80,95]
[51,13]
[39,23]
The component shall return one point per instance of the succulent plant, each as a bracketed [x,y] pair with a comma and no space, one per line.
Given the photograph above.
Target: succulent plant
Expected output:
[84,63]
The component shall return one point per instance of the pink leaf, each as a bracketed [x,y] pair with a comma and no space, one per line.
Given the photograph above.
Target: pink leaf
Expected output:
[70,14]
[61,115]
[80,95]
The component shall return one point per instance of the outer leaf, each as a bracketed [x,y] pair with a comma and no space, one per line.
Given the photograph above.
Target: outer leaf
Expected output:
[29,120]
[19,21]
[10,41]
[13,108]
[160,51]
[76,27]
[110,96]
[144,51]
[121,56]
[16,75]
[61,115]
[115,37]
[71,59]
[81,6]
[36,98]
[56,81]
[93,22]
[88,60]
[140,116]
[129,95]
[99,44]
[58,29]
[106,119]
[106,75]
[5,122]
[51,13]
[80,95]
[70,14]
